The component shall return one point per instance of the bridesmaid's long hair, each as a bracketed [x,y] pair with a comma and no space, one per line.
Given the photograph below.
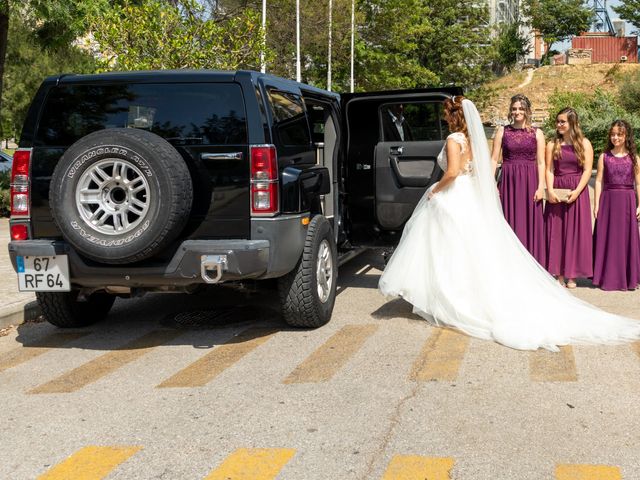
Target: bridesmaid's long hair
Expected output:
[526,103]
[455,115]
[629,143]
[575,134]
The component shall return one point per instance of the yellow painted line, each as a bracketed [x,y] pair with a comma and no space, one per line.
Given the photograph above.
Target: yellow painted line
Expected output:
[441,356]
[252,464]
[107,363]
[90,463]
[219,359]
[587,472]
[414,467]
[27,352]
[545,366]
[331,356]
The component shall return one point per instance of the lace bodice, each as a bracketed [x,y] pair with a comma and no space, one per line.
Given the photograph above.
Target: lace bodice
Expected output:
[459,138]
[519,144]
[618,170]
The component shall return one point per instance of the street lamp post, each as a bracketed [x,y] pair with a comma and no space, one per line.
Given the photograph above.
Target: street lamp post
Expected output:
[298,73]
[263,63]
[353,35]
[329,54]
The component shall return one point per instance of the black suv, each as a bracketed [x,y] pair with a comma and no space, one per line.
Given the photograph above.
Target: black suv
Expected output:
[126,183]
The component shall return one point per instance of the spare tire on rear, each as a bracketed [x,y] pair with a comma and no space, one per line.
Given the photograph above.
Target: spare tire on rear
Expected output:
[121,195]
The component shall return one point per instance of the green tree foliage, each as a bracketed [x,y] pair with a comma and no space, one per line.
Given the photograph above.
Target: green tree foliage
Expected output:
[156,34]
[510,46]
[629,92]
[27,64]
[596,112]
[558,20]
[456,47]
[629,10]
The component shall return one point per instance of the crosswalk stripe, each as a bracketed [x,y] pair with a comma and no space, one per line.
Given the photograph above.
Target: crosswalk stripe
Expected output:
[202,371]
[414,467]
[331,356]
[25,353]
[90,463]
[252,464]
[107,363]
[441,356]
[545,366]
[587,472]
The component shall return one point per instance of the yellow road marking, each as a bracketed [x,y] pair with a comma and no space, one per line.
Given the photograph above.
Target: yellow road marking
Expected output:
[107,363]
[441,356]
[331,356]
[26,352]
[212,364]
[252,464]
[90,463]
[587,472]
[414,467]
[545,366]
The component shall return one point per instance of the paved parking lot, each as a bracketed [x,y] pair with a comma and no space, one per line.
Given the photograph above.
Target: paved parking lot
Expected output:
[215,386]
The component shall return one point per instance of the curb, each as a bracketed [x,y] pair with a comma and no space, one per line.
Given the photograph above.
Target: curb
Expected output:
[20,313]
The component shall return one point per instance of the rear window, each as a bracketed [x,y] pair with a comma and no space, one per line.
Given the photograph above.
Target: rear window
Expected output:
[183,113]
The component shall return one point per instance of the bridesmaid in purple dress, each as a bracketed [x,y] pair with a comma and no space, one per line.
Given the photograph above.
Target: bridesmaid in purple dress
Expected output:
[569,160]
[522,183]
[616,263]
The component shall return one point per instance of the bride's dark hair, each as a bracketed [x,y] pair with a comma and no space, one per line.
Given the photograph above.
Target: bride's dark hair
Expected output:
[455,115]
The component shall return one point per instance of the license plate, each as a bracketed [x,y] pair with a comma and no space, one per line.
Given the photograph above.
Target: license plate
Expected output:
[43,274]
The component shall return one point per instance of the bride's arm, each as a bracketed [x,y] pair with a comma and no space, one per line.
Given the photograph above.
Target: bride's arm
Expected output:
[454,165]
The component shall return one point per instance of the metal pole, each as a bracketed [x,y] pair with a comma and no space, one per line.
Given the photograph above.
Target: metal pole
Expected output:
[329,55]
[298,73]
[353,34]
[263,63]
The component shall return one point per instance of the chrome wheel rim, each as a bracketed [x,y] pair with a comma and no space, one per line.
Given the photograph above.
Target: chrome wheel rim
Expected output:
[113,196]
[324,271]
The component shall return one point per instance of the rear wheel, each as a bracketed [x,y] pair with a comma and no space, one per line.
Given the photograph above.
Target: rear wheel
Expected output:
[308,292]
[67,310]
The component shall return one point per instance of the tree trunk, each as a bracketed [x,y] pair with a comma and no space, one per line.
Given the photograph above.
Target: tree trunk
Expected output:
[4,35]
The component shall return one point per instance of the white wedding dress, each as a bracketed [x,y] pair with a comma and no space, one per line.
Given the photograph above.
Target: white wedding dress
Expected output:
[460,264]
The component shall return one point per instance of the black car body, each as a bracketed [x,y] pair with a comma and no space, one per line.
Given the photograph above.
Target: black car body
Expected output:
[259,170]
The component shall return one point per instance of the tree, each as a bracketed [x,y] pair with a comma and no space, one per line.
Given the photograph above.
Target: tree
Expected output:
[27,64]
[55,23]
[456,47]
[155,34]
[558,20]
[510,46]
[629,10]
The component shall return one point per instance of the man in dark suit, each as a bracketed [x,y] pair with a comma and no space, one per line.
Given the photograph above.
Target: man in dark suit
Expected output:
[394,125]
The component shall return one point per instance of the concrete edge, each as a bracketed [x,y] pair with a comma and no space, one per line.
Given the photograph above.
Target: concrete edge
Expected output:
[19,313]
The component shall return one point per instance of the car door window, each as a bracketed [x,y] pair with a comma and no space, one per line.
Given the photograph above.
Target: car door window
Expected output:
[290,119]
[411,122]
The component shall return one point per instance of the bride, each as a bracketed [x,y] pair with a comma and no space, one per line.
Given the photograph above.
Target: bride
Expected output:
[459,263]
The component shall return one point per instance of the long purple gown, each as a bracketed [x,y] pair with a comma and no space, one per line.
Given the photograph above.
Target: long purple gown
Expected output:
[568,225]
[518,186]
[616,263]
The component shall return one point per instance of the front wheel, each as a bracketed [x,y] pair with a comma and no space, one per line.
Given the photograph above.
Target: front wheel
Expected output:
[67,310]
[308,292]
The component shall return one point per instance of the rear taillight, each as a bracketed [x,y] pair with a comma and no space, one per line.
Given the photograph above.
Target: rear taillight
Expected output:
[19,232]
[264,180]
[20,183]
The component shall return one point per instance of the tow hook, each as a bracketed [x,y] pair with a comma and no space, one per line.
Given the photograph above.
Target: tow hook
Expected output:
[212,266]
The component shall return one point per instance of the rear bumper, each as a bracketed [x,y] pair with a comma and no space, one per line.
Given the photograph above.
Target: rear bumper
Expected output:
[245,259]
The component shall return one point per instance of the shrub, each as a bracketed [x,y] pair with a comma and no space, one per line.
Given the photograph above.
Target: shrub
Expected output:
[629,93]
[596,112]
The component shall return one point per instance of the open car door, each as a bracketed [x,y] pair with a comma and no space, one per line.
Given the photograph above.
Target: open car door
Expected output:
[393,142]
